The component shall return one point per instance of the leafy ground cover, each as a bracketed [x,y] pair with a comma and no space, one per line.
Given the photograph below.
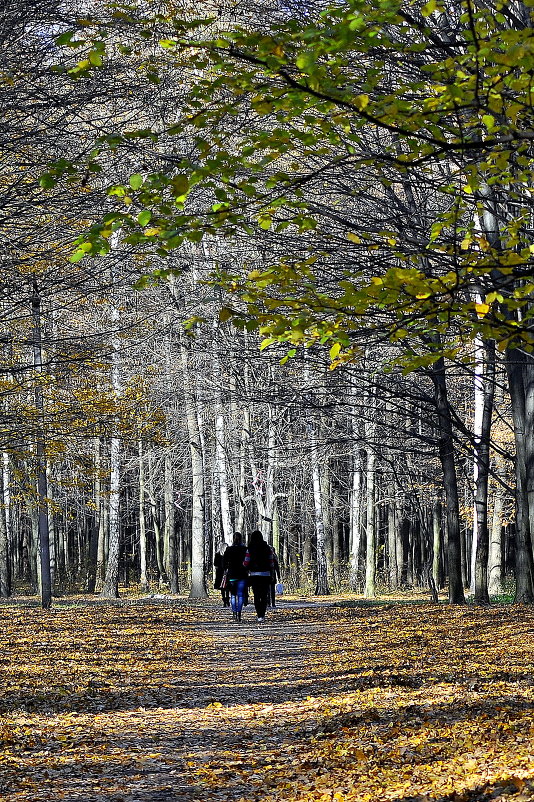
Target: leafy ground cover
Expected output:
[167,700]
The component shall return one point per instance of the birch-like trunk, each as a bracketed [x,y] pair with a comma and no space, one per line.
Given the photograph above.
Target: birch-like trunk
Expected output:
[520,372]
[151,492]
[321,587]
[221,502]
[392,545]
[198,578]
[100,512]
[495,559]
[355,513]
[482,460]
[5,572]
[242,488]
[478,403]
[110,587]
[45,578]
[169,534]
[370,528]
[143,579]
[222,476]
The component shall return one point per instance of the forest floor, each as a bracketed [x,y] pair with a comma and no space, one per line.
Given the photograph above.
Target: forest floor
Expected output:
[169,701]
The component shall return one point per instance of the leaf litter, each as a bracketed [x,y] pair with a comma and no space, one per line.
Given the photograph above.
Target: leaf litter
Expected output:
[168,700]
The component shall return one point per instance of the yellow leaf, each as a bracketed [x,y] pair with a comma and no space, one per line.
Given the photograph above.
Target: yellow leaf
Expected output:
[334,351]
[482,309]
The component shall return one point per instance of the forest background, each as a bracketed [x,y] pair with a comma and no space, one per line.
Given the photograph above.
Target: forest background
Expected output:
[271,267]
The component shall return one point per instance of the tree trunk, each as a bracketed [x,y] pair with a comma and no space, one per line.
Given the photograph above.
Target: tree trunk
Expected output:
[321,586]
[436,543]
[222,477]
[169,534]
[370,529]
[392,546]
[450,484]
[198,578]
[45,578]
[143,578]
[520,370]
[5,572]
[482,462]
[495,561]
[355,519]
[110,588]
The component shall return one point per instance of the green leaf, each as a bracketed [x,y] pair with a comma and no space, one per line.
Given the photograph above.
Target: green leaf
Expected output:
[225,314]
[64,38]
[144,217]
[180,185]
[47,181]
[429,8]
[136,181]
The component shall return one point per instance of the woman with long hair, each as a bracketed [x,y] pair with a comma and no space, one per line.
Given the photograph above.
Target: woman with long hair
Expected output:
[259,560]
[236,574]
[218,562]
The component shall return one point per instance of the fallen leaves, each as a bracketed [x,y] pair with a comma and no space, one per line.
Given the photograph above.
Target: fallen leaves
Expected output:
[322,704]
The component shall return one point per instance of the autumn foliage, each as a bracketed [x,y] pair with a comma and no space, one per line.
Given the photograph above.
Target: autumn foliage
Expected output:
[167,700]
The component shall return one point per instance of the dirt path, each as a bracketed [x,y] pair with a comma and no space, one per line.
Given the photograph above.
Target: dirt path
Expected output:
[225,721]
[168,701]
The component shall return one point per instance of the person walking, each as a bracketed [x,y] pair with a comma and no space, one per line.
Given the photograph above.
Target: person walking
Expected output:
[218,562]
[259,560]
[234,557]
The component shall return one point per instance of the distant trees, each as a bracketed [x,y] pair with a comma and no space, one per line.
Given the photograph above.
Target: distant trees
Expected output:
[354,181]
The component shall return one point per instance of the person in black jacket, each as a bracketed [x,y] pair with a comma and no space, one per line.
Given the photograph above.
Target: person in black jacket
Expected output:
[218,562]
[237,574]
[259,560]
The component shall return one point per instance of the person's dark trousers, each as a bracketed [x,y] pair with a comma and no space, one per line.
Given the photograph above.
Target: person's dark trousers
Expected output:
[260,587]
[225,593]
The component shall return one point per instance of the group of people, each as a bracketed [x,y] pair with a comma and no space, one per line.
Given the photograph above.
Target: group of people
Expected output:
[238,567]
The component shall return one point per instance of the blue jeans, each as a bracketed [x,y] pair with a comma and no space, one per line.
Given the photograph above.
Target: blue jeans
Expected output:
[237,594]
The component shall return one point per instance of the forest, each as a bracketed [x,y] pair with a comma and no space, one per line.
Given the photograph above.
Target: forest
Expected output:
[267,266]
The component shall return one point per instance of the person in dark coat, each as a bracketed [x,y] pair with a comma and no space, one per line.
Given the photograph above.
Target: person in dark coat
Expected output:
[237,574]
[218,562]
[259,560]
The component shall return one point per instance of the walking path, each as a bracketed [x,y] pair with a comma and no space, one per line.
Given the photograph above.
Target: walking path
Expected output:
[170,701]
[210,733]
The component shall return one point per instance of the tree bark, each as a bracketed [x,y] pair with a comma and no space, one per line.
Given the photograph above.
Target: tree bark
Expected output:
[5,572]
[143,578]
[198,578]
[169,534]
[321,586]
[520,370]
[110,587]
[45,577]
[370,528]
[450,483]
[482,462]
